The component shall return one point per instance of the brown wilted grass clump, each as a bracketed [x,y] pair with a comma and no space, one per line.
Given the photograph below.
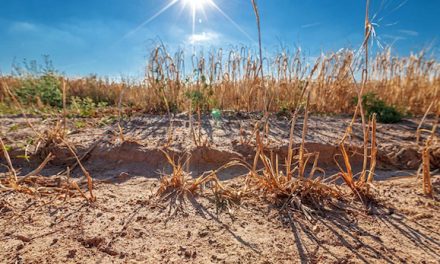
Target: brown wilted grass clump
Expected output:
[180,184]
[35,184]
[431,144]
[360,187]
[289,185]
[47,142]
[299,191]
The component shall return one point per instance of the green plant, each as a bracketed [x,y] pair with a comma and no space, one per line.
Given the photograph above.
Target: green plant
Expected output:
[385,113]
[86,107]
[285,108]
[203,97]
[80,124]
[14,128]
[4,109]
[196,98]
[38,83]
[45,88]
[107,120]
[8,148]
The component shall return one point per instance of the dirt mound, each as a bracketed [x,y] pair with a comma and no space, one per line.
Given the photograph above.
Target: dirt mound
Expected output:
[136,159]
[230,139]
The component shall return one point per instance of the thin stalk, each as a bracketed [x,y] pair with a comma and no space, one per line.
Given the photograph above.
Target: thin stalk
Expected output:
[303,139]
[364,83]
[257,16]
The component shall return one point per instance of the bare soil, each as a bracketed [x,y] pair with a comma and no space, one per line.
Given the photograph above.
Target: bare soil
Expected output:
[128,223]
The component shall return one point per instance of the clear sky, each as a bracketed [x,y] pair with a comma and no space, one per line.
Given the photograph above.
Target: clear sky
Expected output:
[112,37]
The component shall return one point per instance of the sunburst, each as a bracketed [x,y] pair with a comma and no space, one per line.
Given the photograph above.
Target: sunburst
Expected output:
[195,6]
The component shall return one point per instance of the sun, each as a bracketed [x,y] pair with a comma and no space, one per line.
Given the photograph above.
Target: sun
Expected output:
[196,7]
[196,4]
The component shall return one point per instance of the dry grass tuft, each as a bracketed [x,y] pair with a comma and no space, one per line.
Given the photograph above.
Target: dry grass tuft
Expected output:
[181,184]
[431,142]
[290,185]
[35,184]
[361,187]
[301,192]
[47,142]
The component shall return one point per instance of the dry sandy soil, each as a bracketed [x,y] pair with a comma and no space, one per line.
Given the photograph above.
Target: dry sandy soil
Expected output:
[128,223]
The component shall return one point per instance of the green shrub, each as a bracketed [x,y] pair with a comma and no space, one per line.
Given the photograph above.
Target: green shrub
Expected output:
[285,108]
[47,88]
[203,97]
[86,107]
[196,98]
[38,82]
[385,113]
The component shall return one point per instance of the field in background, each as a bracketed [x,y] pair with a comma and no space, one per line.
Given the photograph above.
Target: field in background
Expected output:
[229,80]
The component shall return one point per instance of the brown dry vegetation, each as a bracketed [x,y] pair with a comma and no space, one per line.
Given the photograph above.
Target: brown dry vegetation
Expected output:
[230,80]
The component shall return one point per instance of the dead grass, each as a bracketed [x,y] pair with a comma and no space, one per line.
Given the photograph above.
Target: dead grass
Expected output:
[361,187]
[230,80]
[46,143]
[430,142]
[35,184]
[288,184]
[274,182]
[180,184]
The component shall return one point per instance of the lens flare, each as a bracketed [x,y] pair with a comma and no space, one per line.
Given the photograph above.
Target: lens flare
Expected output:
[196,4]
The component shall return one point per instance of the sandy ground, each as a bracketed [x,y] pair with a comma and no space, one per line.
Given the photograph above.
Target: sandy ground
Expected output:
[230,138]
[129,224]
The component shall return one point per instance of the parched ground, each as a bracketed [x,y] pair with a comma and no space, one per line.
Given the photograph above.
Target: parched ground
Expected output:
[128,223]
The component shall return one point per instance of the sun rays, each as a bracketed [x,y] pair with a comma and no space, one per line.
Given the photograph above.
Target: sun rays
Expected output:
[195,7]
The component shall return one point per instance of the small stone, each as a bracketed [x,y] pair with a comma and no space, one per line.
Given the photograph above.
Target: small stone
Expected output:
[315,229]
[23,238]
[188,254]
[203,233]
[54,241]
[71,253]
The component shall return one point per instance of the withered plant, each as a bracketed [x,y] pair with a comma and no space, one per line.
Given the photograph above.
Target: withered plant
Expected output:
[431,142]
[289,184]
[180,184]
[46,143]
[408,83]
[34,184]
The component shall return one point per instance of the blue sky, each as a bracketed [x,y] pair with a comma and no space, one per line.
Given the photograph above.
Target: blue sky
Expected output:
[104,37]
